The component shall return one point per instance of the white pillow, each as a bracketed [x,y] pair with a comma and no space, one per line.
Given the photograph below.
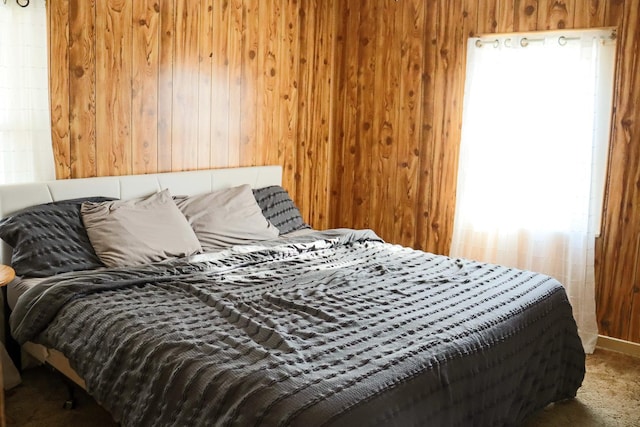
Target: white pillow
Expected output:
[138,231]
[226,217]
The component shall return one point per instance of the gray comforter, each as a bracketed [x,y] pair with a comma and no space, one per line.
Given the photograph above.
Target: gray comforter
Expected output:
[332,328]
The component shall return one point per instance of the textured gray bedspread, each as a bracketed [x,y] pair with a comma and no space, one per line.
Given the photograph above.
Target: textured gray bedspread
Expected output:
[333,328]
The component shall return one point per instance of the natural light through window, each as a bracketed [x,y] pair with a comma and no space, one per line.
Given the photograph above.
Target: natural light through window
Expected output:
[528,125]
[533,154]
[26,152]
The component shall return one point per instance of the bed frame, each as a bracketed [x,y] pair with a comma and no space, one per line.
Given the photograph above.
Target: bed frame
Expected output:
[16,197]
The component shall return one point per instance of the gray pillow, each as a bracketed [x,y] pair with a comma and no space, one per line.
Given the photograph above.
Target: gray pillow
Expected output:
[279,209]
[226,217]
[49,239]
[138,231]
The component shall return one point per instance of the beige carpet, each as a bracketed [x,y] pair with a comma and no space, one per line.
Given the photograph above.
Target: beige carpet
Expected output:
[609,396]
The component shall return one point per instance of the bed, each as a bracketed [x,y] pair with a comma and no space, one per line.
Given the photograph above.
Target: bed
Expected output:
[290,326]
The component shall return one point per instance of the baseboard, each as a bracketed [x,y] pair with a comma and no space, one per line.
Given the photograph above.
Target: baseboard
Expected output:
[621,346]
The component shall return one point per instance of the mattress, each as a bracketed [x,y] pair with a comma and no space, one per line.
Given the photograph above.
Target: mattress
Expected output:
[328,328]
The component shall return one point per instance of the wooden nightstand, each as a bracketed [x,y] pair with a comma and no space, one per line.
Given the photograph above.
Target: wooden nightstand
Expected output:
[7,274]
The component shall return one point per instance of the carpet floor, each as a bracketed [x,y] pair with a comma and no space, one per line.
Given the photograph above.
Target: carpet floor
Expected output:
[609,396]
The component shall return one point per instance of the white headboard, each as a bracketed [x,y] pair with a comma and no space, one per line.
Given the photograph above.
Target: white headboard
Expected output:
[19,196]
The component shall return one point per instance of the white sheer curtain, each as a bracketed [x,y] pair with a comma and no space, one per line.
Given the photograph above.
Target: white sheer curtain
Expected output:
[533,157]
[26,152]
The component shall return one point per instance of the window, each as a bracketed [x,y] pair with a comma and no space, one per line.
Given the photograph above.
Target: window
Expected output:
[533,156]
[25,129]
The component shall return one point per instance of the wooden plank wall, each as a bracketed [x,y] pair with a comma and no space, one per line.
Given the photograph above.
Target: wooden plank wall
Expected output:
[397,119]
[360,102]
[150,86]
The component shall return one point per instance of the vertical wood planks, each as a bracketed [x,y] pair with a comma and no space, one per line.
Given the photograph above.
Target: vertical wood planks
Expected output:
[349,107]
[555,14]
[220,87]
[338,89]
[364,115]
[451,62]
[235,46]
[618,297]
[608,248]
[165,85]
[526,15]
[288,97]
[144,111]
[591,14]
[450,66]
[82,79]
[248,89]
[633,334]
[267,80]
[305,160]
[489,16]
[205,83]
[506,15]
[386,115]
[614,12]
[428,141]
[446,63]
[447,200]
[113,77]
[58,40]
[184,128]
[410,127]
[319,157]
[627,129]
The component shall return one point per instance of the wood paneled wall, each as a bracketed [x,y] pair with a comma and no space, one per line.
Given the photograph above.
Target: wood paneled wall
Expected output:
[397,120]
[359,100]
[150,86]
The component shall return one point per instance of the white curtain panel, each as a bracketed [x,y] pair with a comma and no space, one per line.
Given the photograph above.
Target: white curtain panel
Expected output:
[533,157]
[26,152]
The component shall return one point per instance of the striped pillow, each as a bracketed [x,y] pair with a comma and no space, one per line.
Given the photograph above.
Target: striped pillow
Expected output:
[49,239]
[279,209]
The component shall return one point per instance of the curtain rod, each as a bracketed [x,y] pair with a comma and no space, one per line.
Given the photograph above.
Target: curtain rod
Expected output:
[21,3]
[525,41]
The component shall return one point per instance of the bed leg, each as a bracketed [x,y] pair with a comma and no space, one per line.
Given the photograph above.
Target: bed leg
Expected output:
[70,403]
